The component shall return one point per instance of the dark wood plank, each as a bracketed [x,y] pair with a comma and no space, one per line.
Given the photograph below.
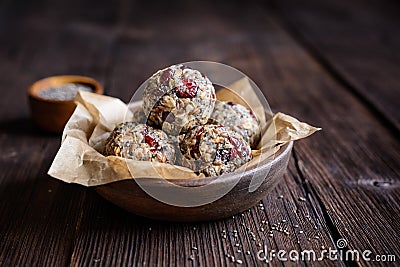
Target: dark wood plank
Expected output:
[348,174]
[39,215]
[358,42]
[246,39]
[352,165]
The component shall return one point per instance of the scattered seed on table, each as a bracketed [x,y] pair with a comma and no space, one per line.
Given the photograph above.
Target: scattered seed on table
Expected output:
[284,221]
[194,248]
[191,258]
[302,199]
[280,196]
[237,244]
[239,261]
[296,226]
[248,252]
[301,231]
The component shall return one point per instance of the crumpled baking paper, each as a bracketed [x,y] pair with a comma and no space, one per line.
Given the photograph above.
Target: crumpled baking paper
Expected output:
[79,159]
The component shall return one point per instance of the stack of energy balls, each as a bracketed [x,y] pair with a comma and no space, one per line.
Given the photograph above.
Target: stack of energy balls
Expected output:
[182,123]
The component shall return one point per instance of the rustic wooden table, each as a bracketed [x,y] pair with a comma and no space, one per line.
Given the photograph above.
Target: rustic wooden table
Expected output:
[334,64]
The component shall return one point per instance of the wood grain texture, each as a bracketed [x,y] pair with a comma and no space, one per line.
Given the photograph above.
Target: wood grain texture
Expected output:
[348,174]
[356,41]
[39,216]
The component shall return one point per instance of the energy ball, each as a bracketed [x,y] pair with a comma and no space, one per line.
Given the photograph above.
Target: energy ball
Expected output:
[178,98]
[140,142]
[239,119]
[214,150]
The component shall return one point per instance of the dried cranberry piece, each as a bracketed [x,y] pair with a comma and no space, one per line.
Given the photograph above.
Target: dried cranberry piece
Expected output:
[238,150]
[252,114]
[168,116]
[150,140]
[145,131]
[165,76]
[196,148]
[188,90]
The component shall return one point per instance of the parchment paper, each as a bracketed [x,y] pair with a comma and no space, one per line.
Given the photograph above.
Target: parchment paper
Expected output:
[79,159]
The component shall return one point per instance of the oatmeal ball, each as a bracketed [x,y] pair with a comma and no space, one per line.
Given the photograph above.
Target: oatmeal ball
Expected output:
[140,142]
[214,150]
[177,98]
[239,119]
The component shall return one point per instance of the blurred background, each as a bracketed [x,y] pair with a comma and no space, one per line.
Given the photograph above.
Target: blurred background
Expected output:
[121,43]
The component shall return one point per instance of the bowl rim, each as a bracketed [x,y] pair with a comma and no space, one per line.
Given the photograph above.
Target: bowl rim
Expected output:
[62,79]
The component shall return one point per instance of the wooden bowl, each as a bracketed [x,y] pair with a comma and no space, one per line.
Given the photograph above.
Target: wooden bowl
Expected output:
[128,195]
[52,115]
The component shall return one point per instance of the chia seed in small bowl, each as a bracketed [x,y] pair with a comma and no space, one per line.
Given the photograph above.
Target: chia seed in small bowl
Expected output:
[64,92]
[52,99]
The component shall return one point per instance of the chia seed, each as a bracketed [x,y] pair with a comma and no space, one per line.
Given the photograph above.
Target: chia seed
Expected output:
[64,92]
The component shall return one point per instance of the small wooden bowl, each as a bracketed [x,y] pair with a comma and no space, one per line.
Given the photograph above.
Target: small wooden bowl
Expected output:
[52,115]
[128,195]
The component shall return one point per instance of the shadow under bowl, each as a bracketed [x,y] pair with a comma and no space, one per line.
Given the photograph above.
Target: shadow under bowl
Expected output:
[249,187]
